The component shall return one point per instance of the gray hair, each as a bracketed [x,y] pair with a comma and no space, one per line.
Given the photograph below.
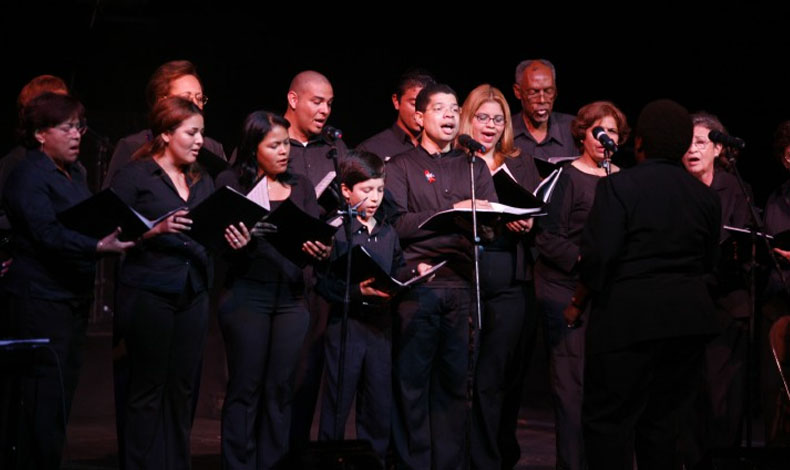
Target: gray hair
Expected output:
[521,67]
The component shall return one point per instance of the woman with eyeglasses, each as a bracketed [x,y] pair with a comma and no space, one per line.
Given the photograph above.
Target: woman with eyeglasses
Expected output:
[174,78]
[49,286]
[558,239]
[508,325]
[719,410]
[163,287]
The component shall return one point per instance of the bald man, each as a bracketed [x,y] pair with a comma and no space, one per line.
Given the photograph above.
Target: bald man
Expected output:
[537,129]
[310,98]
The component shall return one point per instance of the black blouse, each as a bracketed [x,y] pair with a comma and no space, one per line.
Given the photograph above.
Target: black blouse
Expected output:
[50,261]
[169,262]
[260,261]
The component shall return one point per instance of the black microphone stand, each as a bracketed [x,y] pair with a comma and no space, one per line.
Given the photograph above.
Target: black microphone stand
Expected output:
[348,213]
[606,163]
[470,368]
[757,230]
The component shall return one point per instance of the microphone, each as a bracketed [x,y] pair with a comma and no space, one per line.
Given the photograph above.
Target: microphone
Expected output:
[726,140]
[601,136]
[471,144]
[332,134]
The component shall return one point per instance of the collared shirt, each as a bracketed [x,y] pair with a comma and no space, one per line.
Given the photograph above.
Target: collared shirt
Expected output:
[310,159]
[50,261]
[388,143]
[422,184]
[167,262]
[383,245]
[558,141]
[126,147]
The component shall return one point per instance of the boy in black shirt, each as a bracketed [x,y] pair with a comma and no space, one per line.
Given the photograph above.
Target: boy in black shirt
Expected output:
[367,370]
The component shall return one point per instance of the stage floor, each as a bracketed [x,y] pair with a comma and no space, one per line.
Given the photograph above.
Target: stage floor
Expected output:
[91,432]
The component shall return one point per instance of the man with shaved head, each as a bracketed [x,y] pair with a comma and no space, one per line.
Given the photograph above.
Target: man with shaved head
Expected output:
[310,98]
[538,131]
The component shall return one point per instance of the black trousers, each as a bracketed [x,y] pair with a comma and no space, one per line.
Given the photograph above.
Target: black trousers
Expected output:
[367,377]
[45,401]
[165,335]
[506,341]
[430,377]
[634,399]
[565,347]
[263,326]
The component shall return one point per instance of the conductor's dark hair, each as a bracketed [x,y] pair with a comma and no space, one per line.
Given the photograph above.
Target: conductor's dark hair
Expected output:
[412,78]
[359,166]
[253,131]
[48,110]
[424,97]
[665,130]
[159,84]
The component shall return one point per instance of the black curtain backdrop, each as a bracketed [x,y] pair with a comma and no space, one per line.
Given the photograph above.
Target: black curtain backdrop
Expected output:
[731,63]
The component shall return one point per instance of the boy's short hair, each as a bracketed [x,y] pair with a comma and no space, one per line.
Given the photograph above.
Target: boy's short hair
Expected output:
[360,166]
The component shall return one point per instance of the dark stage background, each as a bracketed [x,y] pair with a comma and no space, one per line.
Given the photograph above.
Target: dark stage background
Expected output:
[247,55]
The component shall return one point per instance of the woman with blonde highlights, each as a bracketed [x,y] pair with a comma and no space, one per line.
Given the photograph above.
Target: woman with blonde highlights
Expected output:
[508,325]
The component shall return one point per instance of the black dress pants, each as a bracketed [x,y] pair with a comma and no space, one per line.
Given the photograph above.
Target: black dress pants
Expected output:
[165,335]
[263,325]
[634,399]
[430,377]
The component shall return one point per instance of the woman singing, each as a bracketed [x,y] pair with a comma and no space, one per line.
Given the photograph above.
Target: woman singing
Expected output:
[263,317]
[556,274]
[508,326]
[164,285]
[49,285]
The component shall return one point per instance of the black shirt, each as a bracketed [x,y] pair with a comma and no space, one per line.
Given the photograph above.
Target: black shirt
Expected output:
[558,141]
[422,184]
[388,143]
[50,261]
[260,261]
[777,220]
[311,160]
[163,263]
[559,232]
[384,247]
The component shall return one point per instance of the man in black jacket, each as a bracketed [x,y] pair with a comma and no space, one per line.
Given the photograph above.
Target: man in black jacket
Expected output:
[650,239]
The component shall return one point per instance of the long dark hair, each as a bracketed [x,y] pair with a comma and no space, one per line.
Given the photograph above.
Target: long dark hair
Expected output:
[254,130]
[166,116]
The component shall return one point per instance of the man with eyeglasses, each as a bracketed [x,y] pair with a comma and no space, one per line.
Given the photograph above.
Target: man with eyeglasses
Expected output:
[432,334]
[174,78]
[538,130]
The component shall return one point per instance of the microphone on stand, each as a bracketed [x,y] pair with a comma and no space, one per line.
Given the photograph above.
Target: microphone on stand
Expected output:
[331,134]
[471,144]
[601,136]
[726,140]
